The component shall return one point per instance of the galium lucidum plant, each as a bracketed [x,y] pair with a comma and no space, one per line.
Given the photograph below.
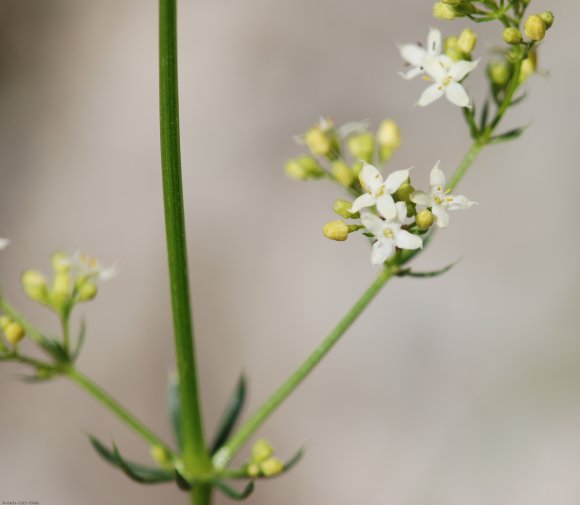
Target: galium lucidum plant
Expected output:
[388,208]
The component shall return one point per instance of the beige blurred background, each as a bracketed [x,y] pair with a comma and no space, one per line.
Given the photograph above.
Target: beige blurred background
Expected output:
[461,390]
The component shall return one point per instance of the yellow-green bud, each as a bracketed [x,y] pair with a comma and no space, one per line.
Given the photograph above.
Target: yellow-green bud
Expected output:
[403,194]
[454,3]
[253,470]
[499,72]
[336,230]
[389,134]
[444,11]
[424,219]
[161,456]
[342,208]
[60,262]
[362,146]
[548,17]
[450,42]
[4,322]
[13,332]
[529,66]
[343,173]
[322,139]
[535,28]
[261,451]
[303,168]
[35,285]
[512,36]
[60,292]
[271,467]
[455,54]
[87,291]
[467,41]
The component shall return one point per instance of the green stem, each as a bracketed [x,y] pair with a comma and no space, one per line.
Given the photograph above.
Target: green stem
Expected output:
[90,387]
[195,454]
[201,495]
[224,455]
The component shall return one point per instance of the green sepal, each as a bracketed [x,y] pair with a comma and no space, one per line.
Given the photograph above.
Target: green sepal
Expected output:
[230,416]
[508,136]
[140,473]
[55,349]
[80,340]
[407,272]
[231,492]
[174,408]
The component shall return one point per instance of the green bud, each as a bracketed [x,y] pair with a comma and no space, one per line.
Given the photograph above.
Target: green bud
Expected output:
[529,66]
[271,467]
[499,73]
[35,286]
[303,168]
[424,219]
[60,262]
[342,208]
[548,18]
[60,293]
[322,140]
[444,11]
[343,173]
[14,332]
[512,36]
[403,194]
[535,28]
[261,450]
[455,54]
[389,134]
[4,322]
[450,43]
[87,291]
[362,146]
[467,41]
[161,456]
[336,230]
[453,3]
[253,470]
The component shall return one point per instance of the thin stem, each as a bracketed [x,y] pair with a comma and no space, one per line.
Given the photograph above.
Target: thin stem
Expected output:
[195,454]
[65,332]
[90,387]
[201,495]
[224,455]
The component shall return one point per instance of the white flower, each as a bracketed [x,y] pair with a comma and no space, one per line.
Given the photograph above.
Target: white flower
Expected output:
[416,56]
[353,127]
[379,190]
[389,234]
[84,265]
[447,75]
[4,243]
[439,199]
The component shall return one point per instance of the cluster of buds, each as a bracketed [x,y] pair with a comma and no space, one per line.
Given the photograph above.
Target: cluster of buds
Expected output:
[450,9]
[75,280]
[263,463]
[13,332]
[387,211]
[338,153]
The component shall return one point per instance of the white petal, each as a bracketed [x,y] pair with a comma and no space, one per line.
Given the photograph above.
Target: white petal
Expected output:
[413,54]
[460,202]
[363,201]
[353,127]
[431,94]
[406,240]
[371,178]
[434,42]
[436,68]
[109,273]
[461,68]
[382,249]
[401,211]
[372,223]
[441,215]
[421,198]
[4,243]
[412,73]
[395,179]
[437,177]
[456,94]
[386,207]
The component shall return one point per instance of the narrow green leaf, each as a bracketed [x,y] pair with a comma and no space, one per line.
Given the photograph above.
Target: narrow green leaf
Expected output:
[230,416]
[407,272]
[55,349]
[174,407]
[80,340]
[182,482]
[469,116]
[231,492]
[508,136]
[292,462]
[140,473]
[484,115]
[518,100]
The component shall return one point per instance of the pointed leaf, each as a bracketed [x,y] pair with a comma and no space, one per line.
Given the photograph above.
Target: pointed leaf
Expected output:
[484,115]
[231,492]
[80,340]
[508,136]
[174,407]
[518,100]
[409,273]
[469,116]
[140,473]
[182,482]
[292,462]
[55,349]
[230,416]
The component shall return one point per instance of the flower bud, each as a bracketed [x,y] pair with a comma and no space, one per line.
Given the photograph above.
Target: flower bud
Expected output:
[529,66]
[424,219]
[336,230]
[253,470]
[35,286]
[499,73]
[512,36]
[161,456]
[60,262]
[303,168]
[271,467]
[342,173]
[403,194]
[467,41]
[4,322]
[342,208]
[453,3]
[548,18]
[322,139]
[455,54]
[87,291]
[60,293]
[261,451]
[535,28]
[389,134]
[13,332]
[362,146]
[444,11]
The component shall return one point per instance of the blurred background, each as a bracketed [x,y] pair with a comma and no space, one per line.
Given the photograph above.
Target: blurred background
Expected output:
[464,389]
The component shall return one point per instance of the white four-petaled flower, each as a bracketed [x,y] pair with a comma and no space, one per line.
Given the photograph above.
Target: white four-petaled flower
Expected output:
[379,190]
[389,234]
[447,76]
[416,56]
[440,200]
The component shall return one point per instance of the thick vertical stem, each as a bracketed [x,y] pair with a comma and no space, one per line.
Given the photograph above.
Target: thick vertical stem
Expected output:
[195,454]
